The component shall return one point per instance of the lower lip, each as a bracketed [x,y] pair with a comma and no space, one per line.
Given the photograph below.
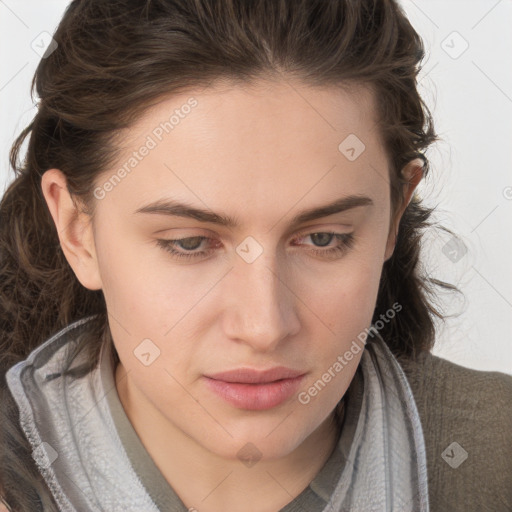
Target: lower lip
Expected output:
[256,397]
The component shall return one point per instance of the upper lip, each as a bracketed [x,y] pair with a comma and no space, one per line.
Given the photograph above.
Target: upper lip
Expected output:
[252,376]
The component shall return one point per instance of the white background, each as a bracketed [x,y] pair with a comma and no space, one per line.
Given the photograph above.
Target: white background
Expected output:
[470,95]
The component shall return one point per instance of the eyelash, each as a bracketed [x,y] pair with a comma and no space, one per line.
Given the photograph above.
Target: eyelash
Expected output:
[346,239]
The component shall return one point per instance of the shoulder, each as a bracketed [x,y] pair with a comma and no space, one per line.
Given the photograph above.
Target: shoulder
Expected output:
[466,416]
[18,471]
[458,390]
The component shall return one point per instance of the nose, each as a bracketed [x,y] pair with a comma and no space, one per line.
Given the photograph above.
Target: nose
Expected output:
[261,310]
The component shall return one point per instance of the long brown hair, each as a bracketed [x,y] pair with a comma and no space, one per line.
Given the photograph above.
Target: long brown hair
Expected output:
[115,59]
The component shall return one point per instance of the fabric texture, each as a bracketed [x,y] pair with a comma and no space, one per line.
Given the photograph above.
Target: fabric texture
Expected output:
[78,450]
[467,420]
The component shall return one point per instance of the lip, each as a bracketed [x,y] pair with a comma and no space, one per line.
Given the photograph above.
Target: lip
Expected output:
[252,376]
[255,390]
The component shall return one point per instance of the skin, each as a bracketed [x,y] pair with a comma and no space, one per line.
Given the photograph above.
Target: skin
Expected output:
[260,154]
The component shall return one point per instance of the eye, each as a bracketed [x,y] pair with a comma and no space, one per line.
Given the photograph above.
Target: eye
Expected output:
[190,245]
[345,242]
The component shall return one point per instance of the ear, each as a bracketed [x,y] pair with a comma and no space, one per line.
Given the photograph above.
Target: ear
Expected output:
[413,173]
[74,229]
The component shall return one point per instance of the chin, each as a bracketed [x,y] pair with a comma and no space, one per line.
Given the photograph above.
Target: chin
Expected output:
[250,449]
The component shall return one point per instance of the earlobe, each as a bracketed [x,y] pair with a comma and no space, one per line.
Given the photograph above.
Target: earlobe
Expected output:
[413,173]
[73,228]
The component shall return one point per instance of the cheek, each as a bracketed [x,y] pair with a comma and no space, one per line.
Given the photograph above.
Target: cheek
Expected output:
[142,289]
[344,297]
[347,309]
[343,305]
[148,299]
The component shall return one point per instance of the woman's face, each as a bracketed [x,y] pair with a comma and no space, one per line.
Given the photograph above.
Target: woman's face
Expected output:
[242,174]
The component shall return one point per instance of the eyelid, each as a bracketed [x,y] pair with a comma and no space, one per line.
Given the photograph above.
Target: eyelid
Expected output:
[189,232]
[322,228]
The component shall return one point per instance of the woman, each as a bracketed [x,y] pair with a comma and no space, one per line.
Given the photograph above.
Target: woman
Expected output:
[211,292]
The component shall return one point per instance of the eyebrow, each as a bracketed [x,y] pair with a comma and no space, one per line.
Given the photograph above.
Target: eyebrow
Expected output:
[180,209]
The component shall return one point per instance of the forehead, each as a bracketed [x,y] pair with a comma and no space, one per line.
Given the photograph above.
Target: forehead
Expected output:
[266,106]
[237,143]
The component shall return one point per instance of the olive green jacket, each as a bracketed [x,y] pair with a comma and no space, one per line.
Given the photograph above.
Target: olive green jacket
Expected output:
[466,417]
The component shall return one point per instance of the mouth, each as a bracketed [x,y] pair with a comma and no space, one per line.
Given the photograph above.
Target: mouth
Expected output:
[263,392]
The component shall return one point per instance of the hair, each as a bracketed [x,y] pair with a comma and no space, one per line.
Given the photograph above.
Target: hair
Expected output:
[116,59]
